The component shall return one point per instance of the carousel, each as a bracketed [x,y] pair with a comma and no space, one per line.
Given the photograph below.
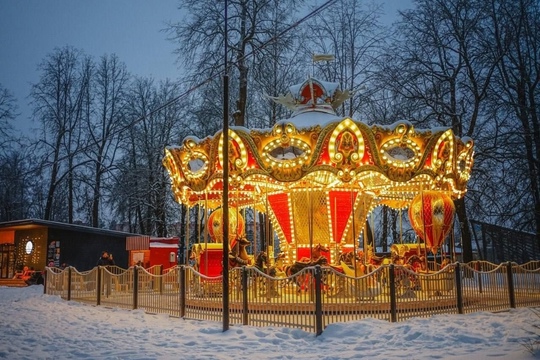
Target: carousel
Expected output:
[317,177]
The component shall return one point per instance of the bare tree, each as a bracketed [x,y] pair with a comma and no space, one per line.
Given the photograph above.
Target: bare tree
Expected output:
[13,167]
[252,25]
[12,182]
[104,127]
[8,111]
[516,29]
[442,63]
[59,99]
[281,65]
[143,198]
[351,31]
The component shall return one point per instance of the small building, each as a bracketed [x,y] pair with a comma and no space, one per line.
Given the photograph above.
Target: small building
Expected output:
[39,243]
[149,251]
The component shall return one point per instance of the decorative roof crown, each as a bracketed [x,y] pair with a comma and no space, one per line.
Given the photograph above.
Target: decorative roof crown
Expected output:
[313,95]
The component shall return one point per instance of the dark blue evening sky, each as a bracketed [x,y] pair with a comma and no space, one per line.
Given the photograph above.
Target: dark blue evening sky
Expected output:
[31,29]
[132,29]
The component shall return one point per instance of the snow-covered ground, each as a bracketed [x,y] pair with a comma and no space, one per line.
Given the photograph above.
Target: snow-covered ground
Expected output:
[38,326]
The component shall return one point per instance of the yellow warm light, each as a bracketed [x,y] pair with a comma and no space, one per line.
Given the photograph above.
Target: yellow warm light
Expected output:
[393,163]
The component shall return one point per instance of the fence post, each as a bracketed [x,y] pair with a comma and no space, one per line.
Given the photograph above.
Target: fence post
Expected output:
[318,300]
[160,279]
[182,290]
[69,284]
[98,285]
[510,278]
[45,279]
[479,268]
[244,295]
[393,304]
[459,288]
[135,286]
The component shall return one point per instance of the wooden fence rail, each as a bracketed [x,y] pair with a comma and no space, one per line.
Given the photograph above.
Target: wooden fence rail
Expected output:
[311,299]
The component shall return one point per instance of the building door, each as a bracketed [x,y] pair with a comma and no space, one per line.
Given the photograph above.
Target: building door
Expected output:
[7,261]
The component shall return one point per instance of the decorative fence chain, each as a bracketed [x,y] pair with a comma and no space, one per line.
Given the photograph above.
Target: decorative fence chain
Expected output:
[311,299]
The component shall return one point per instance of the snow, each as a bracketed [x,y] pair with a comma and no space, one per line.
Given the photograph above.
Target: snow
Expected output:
[163,245]
[311,118]
[39,326]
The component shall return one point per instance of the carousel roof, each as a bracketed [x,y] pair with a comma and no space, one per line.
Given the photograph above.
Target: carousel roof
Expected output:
[344,162]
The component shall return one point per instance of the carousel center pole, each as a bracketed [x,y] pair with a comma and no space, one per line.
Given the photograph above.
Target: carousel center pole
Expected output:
[225,211]
[355,249]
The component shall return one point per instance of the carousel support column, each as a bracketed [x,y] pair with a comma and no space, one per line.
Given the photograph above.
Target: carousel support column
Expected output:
[205,232]
[270,247]
[400,227]
[355,244]
[366,235]
[264,242]
[255,237]
[310,225]
[188,232]
[337,249]
[424,229]
[237,216]
[199,223]
[225,151]
[371,234]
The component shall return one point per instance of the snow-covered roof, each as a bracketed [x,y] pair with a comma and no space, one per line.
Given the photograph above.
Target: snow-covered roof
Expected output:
[163,245]
[311,118]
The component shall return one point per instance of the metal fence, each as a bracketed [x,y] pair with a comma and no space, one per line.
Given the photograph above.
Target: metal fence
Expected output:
[311,299]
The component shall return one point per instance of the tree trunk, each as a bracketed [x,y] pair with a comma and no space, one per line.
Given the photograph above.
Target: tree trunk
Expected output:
[97,193]
[466,241]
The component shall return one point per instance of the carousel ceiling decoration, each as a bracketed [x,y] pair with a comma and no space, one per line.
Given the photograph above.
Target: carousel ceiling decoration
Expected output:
[317,172]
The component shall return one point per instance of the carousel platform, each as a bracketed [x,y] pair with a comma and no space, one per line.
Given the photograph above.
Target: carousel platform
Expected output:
[13,282]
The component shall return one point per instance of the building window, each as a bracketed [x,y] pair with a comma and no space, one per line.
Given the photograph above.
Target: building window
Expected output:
[29,248]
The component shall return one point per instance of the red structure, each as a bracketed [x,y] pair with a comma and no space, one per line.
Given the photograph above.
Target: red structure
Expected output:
[149,251]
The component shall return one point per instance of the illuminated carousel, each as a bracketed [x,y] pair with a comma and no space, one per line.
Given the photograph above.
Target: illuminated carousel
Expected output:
[318,176]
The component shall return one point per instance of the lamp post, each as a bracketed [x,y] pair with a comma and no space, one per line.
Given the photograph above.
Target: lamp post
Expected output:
[225,199]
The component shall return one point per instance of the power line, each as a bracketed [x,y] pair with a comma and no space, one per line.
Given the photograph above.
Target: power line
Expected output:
[221,72]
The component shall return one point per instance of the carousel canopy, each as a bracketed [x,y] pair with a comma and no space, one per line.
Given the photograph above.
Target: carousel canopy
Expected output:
[318,173]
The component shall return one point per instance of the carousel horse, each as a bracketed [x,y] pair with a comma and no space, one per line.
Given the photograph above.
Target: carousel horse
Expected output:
[373,261]
[415,263]
[405,279]
[279,264]
[266,287]
[194,256]
[262,263]
[348,268]
[238,255]
[316,252]
[349,258]
[302,279]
